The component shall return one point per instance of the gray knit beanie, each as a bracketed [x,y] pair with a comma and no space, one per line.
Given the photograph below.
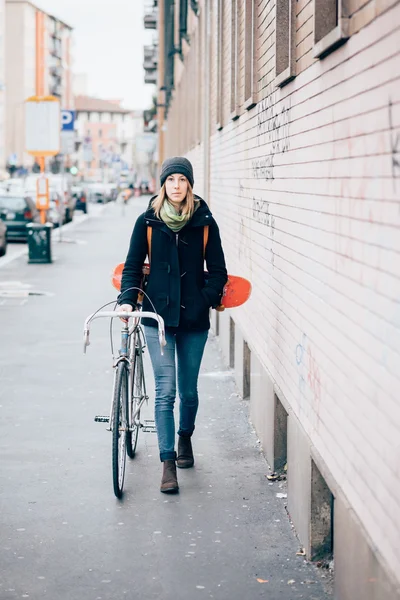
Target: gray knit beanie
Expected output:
[177,164]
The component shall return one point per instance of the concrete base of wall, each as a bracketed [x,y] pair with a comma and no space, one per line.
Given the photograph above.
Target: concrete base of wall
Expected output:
[359,574]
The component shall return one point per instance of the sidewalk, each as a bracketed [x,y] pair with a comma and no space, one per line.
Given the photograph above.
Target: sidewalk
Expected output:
[64,535]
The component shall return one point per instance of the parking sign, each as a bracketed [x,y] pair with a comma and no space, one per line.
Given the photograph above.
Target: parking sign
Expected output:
[67,120]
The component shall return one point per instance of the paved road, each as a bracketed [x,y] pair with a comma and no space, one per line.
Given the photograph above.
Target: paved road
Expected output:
[64,536]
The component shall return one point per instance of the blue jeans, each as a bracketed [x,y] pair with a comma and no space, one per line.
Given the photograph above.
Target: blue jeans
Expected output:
[188,348]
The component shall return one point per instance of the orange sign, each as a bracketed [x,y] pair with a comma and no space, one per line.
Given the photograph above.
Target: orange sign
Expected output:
[42,193]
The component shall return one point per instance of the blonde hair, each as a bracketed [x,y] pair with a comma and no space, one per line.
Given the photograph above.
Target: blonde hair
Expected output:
[187,204]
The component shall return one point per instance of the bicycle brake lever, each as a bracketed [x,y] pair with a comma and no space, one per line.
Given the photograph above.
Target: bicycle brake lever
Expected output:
[86,341]
[163,341]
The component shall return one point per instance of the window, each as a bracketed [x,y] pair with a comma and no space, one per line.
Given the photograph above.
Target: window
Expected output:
[246,370]
[183,14]
[322,517]
[280,435]
[250,64]
[220,46]
[231,343]
[285,59]
[330,26]
[234,61]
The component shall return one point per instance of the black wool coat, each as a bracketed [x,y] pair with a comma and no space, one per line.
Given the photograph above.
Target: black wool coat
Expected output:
[177,285]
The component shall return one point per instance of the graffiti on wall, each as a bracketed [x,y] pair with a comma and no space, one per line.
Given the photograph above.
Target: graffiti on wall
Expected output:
[273,120]
[309,382]
[263,168]
[273,123]
[261,213]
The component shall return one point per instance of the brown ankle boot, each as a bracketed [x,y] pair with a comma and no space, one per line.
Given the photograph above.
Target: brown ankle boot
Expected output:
[185,458]
[169,482]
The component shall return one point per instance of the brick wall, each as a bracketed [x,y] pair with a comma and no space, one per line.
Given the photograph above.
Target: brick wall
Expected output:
[305,187]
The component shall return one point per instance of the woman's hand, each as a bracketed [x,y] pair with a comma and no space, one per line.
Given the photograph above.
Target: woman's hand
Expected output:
[124,308]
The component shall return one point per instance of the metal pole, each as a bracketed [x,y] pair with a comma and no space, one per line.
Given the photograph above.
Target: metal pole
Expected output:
[62,198]
[42,212]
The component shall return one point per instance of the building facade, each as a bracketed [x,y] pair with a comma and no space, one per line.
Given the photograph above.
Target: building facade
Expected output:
[290,113]
[106,135]
[2,89]
[38,62]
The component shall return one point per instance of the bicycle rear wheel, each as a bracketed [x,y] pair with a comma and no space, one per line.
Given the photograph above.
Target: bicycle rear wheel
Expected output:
[137,395]
[119,427]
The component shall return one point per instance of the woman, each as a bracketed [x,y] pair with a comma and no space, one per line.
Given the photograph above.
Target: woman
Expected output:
[180,293]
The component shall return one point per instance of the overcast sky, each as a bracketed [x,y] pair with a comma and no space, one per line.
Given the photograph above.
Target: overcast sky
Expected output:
[108,46]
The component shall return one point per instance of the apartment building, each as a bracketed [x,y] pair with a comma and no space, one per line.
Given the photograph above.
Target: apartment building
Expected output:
[290,113]
[2,89]
[106,135]
[39,62]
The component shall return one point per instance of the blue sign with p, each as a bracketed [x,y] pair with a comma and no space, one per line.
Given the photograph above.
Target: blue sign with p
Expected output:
[67,120]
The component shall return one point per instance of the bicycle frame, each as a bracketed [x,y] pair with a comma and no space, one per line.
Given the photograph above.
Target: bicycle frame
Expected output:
[136,332]
[126,351]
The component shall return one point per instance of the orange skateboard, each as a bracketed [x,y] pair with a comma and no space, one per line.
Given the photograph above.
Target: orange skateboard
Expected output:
[236,292]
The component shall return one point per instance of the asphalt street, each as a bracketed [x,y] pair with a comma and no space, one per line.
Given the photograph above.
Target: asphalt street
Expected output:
[63,534]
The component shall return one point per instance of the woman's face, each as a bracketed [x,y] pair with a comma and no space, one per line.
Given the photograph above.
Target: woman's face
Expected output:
[176,187]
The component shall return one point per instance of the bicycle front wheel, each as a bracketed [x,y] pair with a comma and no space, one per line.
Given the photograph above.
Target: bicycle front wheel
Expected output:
[137,396]
[119,428]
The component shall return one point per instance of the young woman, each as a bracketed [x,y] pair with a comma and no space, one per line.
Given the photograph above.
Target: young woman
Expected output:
[180,293]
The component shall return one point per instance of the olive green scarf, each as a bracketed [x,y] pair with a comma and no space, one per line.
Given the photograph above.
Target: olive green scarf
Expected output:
[172,218]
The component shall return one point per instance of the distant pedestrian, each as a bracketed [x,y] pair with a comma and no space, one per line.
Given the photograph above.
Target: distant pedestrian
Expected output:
[182,233]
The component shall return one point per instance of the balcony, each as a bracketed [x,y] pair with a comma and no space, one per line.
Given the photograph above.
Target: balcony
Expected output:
[55,89]
[150,76]
[150,14]
[150,57]
[150,21]
[56,71]
[56,48]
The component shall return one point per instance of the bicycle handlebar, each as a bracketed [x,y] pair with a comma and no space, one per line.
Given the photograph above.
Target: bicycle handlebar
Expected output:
[136,314]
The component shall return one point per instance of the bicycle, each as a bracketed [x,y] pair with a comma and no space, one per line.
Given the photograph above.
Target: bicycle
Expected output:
[129,389]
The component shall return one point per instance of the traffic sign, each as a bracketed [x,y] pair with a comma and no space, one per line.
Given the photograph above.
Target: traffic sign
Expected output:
[67,120]
[42,193]
[67,142]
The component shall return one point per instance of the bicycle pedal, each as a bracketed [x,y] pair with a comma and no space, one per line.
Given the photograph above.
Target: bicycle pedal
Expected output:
[148,426]
[102,419]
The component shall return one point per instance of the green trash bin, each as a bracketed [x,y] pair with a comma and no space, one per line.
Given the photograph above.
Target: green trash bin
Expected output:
[39,242]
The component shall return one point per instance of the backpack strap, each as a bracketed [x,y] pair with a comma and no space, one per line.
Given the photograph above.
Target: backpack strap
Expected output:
[205,239]
[149,236]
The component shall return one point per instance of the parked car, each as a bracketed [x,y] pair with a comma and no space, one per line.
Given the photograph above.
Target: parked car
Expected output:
[19,211]
[3,233]
[80,195]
